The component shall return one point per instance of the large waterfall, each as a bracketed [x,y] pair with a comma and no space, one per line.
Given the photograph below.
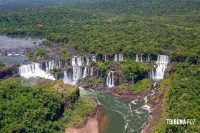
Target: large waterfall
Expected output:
[34,70]
[157,73]
[80,69]
[77,63]
[110,79]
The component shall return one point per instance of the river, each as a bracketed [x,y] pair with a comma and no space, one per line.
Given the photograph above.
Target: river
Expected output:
[13,48]
[116,112]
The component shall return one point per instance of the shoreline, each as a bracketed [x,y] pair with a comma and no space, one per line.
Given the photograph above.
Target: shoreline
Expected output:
[90,125]
[138,96]
[154,107]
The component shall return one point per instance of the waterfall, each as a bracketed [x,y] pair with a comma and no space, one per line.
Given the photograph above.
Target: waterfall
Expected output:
[110,79]
[132,80]
[86,72]
[87,61]
[93,58]
[73,62]
[80,61]
[91,71]
[145,99]
[76,73]
[118,57]
[77,62]
[121,57]
[137,58]
[140,57]
[148,58]
[35,70]
[68,78]
[106,58]
[157,73]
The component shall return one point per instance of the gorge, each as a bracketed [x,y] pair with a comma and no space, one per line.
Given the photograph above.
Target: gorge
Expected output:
[99,66]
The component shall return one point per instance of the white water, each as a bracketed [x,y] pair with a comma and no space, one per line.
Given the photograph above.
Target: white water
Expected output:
[140,57]
[137,58]
[34,70]
[118,57]
[78,63]
[110,79]
[106,57]
[77,72]
[86,72]
[121,57]
[91,71]
[68,78]
[148,58]
[122,111]
[93,58]
[87,61]
[157,73]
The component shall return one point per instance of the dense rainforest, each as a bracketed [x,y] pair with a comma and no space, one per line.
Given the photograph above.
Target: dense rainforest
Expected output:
[100,27]
[114,26]
[41,108]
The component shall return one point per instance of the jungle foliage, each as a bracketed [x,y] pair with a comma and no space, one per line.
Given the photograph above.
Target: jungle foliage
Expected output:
[29,108]
[181,99]
[113,26]
[128,26]
[1,65]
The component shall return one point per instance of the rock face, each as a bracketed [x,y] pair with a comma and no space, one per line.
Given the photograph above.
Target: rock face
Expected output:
[8,71]
[67,104]
[120,77]
[93,83]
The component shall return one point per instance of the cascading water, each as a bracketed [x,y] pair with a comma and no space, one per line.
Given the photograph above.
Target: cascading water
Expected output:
[34,70]
[140,57]
[157,73]
[118,57]
[110,79]
[86,72]
[121,57]
[80,61]
[137,58]
[91,71]
[93,58]
[76,64]
[51,64]
[106,57]
[148,58]
[68,78]
[87,61]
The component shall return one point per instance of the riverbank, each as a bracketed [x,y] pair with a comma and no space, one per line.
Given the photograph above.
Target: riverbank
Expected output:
[153,104]
[157,104]
[90,125]
[138,96]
